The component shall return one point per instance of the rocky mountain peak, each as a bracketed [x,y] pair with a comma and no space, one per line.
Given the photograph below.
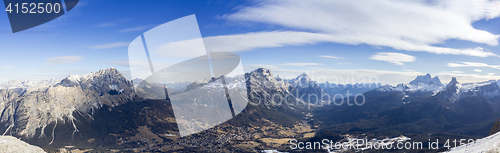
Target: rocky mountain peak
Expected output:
[278,78]
[108,72]
[422,79]
[453,86]
[436,81]
[427,80]
[303,80]
[262,72]
[82,94]
[453,82]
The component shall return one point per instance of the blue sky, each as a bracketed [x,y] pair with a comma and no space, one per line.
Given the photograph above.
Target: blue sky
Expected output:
[391,40]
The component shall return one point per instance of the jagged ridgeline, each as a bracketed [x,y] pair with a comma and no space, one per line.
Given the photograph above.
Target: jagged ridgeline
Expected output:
[73,110]
[102,109]
[421,109]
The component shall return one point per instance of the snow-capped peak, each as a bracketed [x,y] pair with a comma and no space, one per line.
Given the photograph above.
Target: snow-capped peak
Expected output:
[453,86]
[72,94]
[421,83]
[436,81]
[12,84]
[74,78]
[426,80]
[262,71]
[278,78]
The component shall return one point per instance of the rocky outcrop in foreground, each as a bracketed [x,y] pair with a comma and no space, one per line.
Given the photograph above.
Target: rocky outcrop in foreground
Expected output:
[12,144]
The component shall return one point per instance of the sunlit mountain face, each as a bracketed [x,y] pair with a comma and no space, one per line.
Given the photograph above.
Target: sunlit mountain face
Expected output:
[250,76]
[115,117]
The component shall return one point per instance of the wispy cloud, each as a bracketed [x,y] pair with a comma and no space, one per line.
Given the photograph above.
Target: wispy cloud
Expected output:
[395,58]
[459,72]
[106,24]
[473,64]
[478,70]
[112,23]
[331,57]
[402,25]
[301,64]
[63,60]
[466,78]
[110,45]
[344,63]
[138,28]
[8,66]
[255,40]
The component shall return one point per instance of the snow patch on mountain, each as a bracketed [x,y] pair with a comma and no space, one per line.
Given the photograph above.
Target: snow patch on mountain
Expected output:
[426,80]
[12,144]
[26,84]
[474,86]
[421,83]
[24,114]
[237,81]
[487,144]
[22,87]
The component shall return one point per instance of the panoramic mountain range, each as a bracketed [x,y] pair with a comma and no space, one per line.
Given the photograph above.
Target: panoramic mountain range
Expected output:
[104,110]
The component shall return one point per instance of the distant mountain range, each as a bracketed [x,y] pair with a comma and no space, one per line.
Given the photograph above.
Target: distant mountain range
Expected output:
[106,110]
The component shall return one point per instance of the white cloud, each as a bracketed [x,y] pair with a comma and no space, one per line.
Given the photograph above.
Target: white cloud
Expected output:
[473,64]
[185,48]
[63,60]
[8,67]
[456,72]
[138,28]
[395,58]
[110,45]
[478,70]
[331,57]
[465,78]
[301,64]
[254,40]
[402,25]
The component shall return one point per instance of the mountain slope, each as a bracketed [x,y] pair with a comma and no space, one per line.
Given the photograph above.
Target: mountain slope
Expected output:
[102,110]
[308,90]
[487,144]
[343,89]
[29,115]
[456,111]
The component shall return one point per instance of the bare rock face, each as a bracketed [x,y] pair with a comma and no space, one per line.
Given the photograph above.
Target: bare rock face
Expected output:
[495,128]
[12,144]
[24,114]
[267,92]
